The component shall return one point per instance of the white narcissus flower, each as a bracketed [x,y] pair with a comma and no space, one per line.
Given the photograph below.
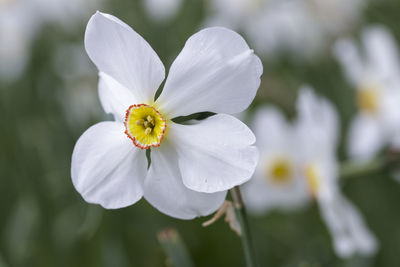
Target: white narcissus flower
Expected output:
[337,16]
[308,171]
[17,28]
[191,166]
[162,10]
[375,74]
[277,181]
[301,28]
[20,21]
[67,14]
[79,76]
[318,129]
[271,26]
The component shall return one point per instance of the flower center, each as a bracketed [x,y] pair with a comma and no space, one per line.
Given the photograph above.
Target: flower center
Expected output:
[144,125]
[312,175]
[368,99]
[279,171]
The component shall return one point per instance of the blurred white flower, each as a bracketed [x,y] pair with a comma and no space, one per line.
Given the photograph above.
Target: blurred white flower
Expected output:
[20,21]
[67,14]
[277,181]
[17,28]
[316,135]
[301,28]
[337,16]
[162,10]
[298,163]
[79,76]
[318,130]
[192,166]
[375,74]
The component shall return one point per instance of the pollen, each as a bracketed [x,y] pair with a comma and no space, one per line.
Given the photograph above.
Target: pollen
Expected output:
[279,171]
[312,175]
[145,126]
[368,99]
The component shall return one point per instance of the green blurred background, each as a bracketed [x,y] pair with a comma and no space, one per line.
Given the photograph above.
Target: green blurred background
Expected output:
[45,222]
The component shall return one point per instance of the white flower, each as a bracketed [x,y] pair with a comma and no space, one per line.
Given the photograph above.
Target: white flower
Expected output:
[375,74]
[20,21]
[337,16]
[308,171]
[301,28]
[66,13]
[192,166]
[162,10]
[316,135]
[79,76]
[17,28]
[318,130]
[277,181]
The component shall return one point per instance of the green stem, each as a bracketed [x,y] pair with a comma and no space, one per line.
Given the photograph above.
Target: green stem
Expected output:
[244,225]
[388,161]
[356,169]
[174,247]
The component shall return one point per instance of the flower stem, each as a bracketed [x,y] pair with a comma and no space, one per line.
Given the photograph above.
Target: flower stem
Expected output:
[173,245]
[388,161]
[246,235]
[357,169]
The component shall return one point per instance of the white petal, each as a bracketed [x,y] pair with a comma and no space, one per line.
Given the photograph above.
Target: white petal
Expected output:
[120,52]
[106,168]
[381,50]
[216,71]
[349,232]
[317,133]
[272,130]
[114,97]
[162,10]
[348,56]
[261,194]
[215,154]
[317,119]
[327,168]
[286,27]
[276,140]
[389,106]
[17,27]
[366,137]
[164,188]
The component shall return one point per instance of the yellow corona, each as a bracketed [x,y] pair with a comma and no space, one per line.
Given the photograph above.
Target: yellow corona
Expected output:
[280,171]
[145,126]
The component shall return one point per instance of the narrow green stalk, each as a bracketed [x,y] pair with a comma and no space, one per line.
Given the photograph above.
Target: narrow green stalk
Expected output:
[247,242]
[356,169]
[175,249]
[388,161]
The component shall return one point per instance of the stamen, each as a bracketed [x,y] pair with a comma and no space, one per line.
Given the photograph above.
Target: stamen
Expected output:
[368,98]
[279,171]
[150,119]
[144,125]
[313,179]
[148,131]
